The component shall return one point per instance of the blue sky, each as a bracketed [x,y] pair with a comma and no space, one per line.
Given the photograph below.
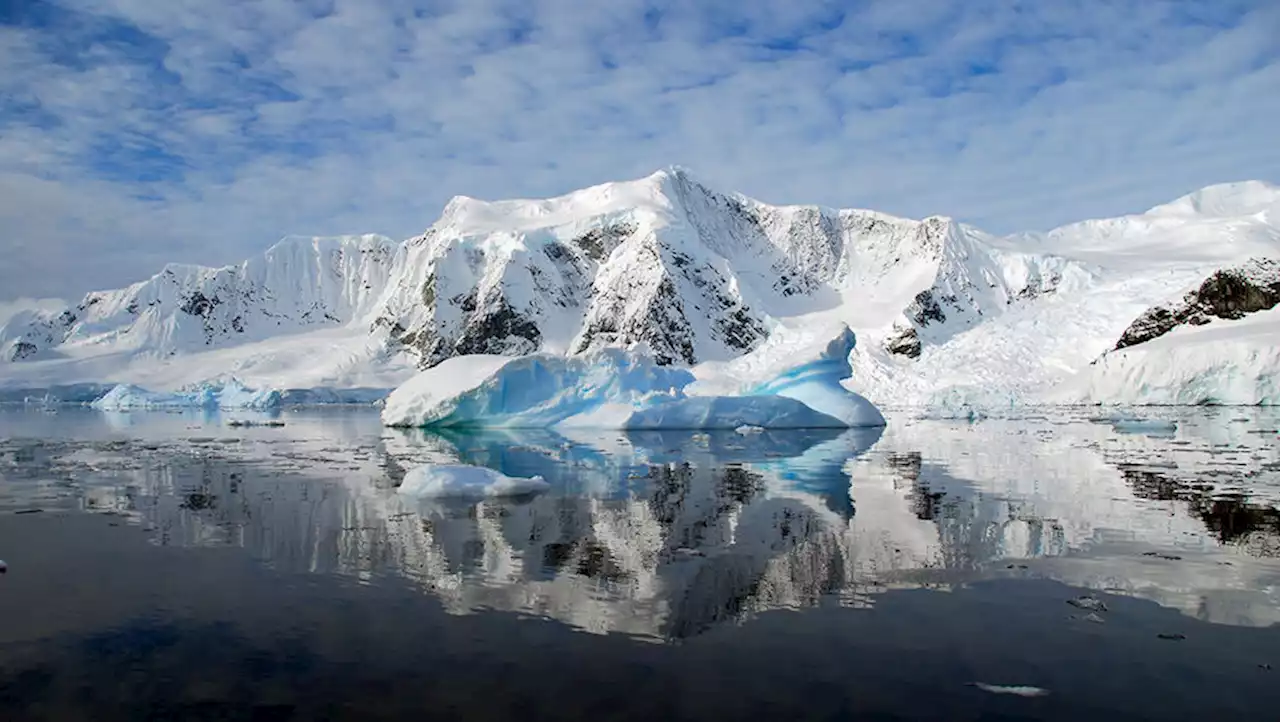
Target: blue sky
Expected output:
[136,132]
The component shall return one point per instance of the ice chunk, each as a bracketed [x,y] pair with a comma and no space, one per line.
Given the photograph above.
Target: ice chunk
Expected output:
[437,481]
[1017,690]
[1137,425]
[816,384]
[535,391]
[731,412]
[209,395]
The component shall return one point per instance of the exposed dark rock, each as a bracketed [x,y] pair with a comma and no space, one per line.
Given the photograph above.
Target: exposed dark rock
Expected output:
[906,342]
[1038,286]
[598,243]
[925,309]
[1229,293]
[740,330]
[429,291]
[22,350]
[498,328]
[197,304]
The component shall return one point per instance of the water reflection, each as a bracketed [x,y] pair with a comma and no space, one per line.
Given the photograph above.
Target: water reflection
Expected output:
[664,535]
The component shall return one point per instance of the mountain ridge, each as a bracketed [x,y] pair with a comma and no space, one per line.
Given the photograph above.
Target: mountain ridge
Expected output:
[695,274]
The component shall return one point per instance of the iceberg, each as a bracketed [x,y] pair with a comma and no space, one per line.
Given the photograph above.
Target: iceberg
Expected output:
[535,391]
[454,481]
[625,389]
[230,394]
[816,384]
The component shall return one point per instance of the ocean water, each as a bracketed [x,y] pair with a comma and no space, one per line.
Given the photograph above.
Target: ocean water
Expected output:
[1053,566]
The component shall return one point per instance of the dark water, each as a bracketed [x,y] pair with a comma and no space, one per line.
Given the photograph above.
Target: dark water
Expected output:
[169,567]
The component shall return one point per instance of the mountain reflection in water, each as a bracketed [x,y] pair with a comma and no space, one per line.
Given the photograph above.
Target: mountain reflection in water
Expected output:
[664,535]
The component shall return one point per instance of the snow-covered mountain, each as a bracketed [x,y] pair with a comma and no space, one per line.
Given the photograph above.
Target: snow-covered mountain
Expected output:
[944,312]
[297,284]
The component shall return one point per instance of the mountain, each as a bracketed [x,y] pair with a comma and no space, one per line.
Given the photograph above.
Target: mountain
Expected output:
[297,284]
[945,313]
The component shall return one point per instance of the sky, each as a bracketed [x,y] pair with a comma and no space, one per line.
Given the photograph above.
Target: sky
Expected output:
[139,132]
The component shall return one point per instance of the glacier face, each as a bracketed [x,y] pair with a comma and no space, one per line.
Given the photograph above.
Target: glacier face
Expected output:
[942,311]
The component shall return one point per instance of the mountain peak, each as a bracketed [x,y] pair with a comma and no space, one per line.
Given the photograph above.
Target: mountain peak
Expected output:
[1224,200]
[652,193]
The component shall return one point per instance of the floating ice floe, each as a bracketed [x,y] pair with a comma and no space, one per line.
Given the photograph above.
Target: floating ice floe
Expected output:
[1017,690]
[1137,425]
[440,481]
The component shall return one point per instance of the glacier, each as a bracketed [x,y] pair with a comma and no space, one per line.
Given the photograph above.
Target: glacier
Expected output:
[230,394]
[949,318]
[1228,362]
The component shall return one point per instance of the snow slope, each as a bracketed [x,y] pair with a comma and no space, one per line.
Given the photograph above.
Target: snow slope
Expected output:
[944,313]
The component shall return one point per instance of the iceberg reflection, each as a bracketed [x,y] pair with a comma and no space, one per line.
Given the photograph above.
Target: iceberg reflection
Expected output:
[664,534]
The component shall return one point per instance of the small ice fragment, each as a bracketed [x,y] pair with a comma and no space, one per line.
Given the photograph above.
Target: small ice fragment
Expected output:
[1132,425]
[1094,617]
[1090,604]
[746,429]
[1019,690]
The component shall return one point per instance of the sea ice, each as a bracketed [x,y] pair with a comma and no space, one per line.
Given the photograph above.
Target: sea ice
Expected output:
[437,481]
[230,394]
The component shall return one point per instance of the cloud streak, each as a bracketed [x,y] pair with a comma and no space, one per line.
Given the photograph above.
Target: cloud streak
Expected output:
[134,132]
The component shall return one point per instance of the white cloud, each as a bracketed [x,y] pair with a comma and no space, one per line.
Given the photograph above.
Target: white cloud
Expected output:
[135,132]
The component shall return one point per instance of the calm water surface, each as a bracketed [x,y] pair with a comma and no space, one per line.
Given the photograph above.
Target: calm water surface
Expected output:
[172,567]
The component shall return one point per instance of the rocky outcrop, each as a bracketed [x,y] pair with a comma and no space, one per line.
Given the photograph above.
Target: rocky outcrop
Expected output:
[1229,293]
[904,341]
